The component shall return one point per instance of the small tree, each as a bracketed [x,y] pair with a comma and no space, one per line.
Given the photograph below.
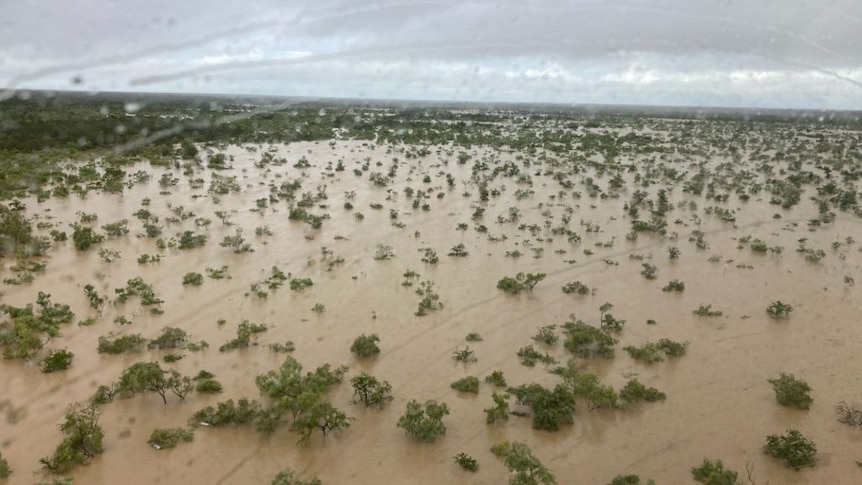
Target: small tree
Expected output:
[524,467]
[149,377]
[319,415]
[371,391]
[634,391]
[713,473]
[551,408]
[424,422]
[365,346]
[791,392]
[794,449]
[84,237]
[521,282]
[83,439]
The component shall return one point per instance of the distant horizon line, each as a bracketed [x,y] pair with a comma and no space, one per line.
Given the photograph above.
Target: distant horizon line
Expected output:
[6,94]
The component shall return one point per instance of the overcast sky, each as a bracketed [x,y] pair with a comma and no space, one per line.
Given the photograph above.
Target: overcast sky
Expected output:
[760,53]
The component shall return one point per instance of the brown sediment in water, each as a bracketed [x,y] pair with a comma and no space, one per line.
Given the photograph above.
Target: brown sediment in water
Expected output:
[719,404]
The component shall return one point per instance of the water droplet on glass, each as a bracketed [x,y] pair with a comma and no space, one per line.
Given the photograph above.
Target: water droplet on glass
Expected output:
[132,107]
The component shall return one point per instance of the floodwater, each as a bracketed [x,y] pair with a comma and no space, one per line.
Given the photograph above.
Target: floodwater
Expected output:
[719,404]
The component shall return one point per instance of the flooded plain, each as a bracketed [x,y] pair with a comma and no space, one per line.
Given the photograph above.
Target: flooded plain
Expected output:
[719,404]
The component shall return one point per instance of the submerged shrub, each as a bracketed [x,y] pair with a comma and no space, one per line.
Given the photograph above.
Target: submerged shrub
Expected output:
[57,360]
[791,392]
[424,421]
[162,438]
[794,449]
[466,384]
[713,473]
[365,346]
[121,344]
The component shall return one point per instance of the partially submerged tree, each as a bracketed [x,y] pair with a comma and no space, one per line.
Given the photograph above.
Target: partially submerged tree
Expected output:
[57,360]
[83,439]
[524,468]
[550,408]
[520,282]
[30,330]
[318,414]
[365,346]
[794,449]
[791,392]
[150,377]
[713,473]
[424,421]
[162,438]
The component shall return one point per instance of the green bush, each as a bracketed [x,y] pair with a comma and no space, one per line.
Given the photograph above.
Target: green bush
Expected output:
[424,421]
[371,391]
[57,360]
[674,285]
[473,337]
[634,392]
[227,412]
[466,384]
[530,356]
[464,355]
[524,468]
[365,346]
[713,473]
[791,392]
[467,462]
[652,352]
[521,282]
[299,284]
[547,335]
[794,449]
[209,386]
[195,279]
[584,340]
[244,332]
[496,378]
[162,438]
[121,344]
[576,287]
[84,237]
[171,338]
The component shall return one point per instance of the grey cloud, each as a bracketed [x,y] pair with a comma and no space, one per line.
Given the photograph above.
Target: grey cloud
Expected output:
[678,48]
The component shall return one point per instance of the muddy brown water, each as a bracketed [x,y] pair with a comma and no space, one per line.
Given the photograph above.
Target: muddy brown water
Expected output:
[719,403]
